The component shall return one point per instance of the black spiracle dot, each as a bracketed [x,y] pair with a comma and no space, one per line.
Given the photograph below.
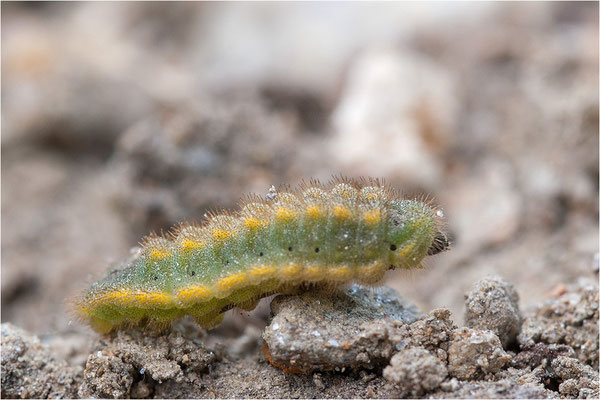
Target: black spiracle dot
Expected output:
[290,248]
[227,262]
[261,254]
[316,249]
[156,278]
[193,273]
[393,247]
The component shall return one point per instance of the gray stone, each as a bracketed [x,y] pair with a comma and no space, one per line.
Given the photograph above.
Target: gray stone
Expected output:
[321,330]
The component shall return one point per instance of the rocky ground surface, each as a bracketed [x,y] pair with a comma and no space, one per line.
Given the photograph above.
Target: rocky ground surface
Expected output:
[119,119]
[358,342]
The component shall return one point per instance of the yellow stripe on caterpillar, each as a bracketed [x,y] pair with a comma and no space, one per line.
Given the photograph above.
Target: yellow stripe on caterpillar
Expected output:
[192,294]
[342,212]
[188,244]
[254,223]
[261,272]
[284,214]
[340,274]
[159,254]
[221,234]
[372,217]
[291,271]
[314,273]
[314,212]
[225,285]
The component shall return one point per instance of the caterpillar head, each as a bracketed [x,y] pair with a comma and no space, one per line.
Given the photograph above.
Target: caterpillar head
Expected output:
[415,230]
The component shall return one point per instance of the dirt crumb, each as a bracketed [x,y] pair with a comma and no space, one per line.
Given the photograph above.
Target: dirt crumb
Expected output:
[415,371]
[493,304]
[539,353]
[577,379]
[474,354]
[433,332]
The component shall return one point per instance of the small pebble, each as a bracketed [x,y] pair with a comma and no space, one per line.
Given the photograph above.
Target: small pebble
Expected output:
[493,304]
[415,371]
[474,353]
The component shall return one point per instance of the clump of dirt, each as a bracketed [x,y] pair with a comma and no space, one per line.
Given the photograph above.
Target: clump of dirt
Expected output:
[415,371]
[571,319]
[128,363]
[576,379]
[494,304]
[475,354]
[32,370]
[433,332]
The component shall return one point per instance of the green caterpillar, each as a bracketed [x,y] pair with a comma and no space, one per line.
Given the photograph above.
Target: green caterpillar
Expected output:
[345,231]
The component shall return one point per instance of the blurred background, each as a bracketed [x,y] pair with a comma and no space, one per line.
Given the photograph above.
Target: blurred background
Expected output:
[123,118]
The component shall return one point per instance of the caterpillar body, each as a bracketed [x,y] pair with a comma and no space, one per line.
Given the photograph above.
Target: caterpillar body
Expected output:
[318,234]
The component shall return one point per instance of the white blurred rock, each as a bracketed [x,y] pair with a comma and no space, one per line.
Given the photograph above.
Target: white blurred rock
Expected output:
[395,116]
[487,208]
